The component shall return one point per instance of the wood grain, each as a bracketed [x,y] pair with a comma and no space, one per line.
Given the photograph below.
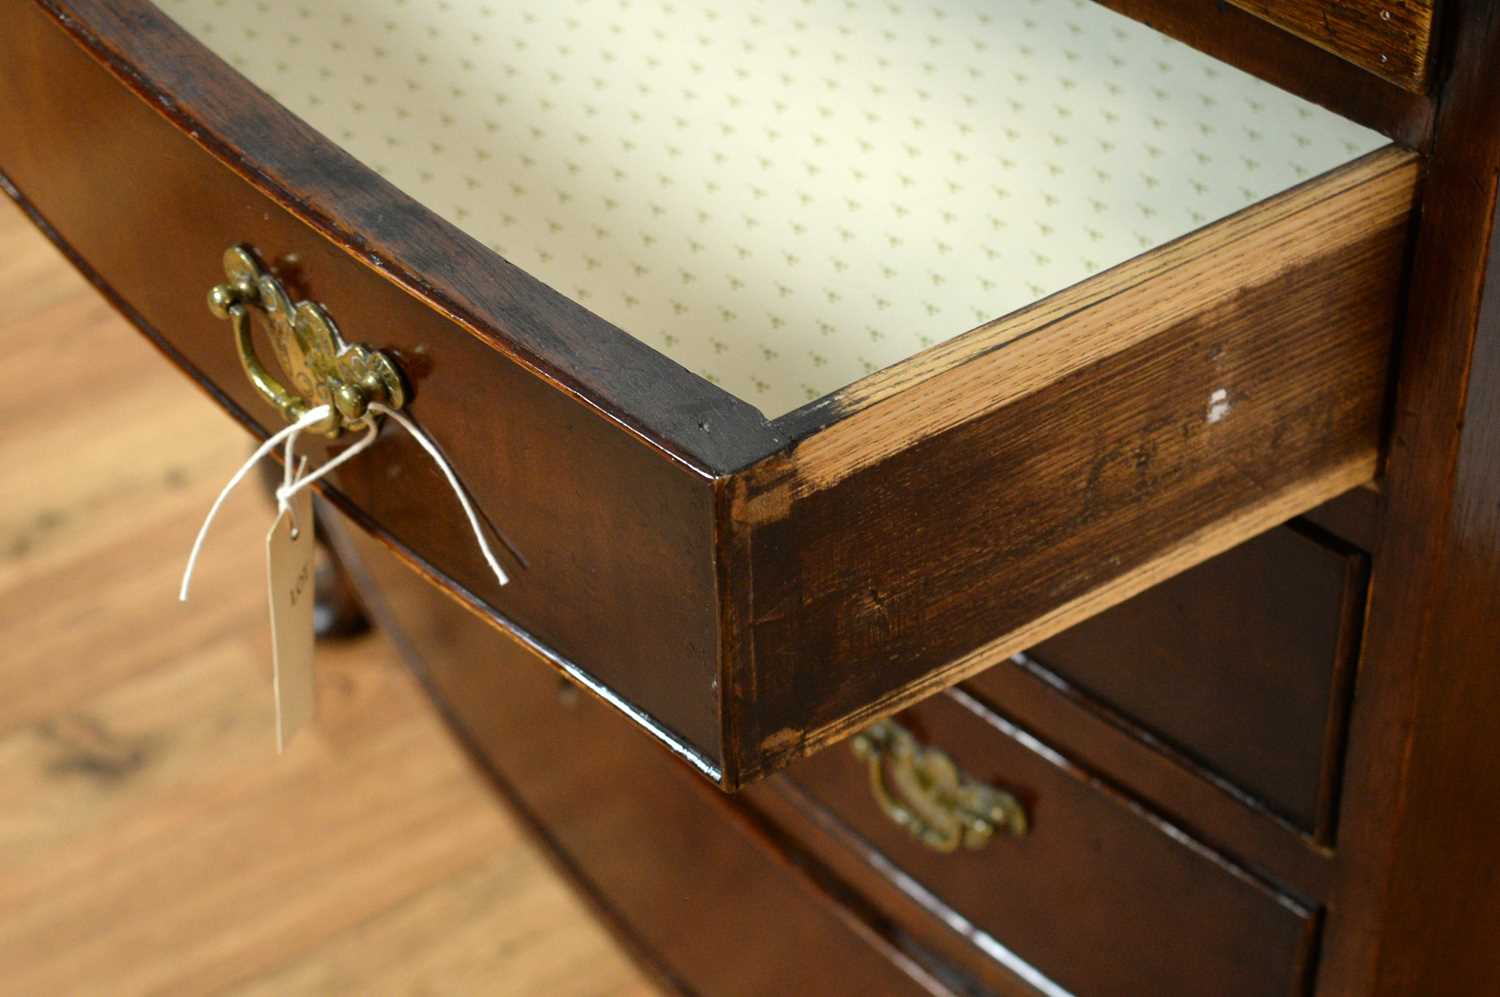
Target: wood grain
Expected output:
[682,583]
[913,543]
[1266,50]
[903,902]
[598,516]
[683,870]
[400,243]
[1263,709]
[1003,361]
[1173,784]
[1390,38]
[1121,879]
[102,762]
[152,840]
[1419,806]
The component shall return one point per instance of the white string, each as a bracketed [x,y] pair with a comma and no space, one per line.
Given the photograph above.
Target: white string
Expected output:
[291,485]
[311,418]
[294,481]
[287,490]
[458,489]
[290,461]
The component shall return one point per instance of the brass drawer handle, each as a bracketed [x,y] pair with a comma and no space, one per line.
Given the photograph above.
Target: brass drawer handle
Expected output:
[323,368]
[922,790]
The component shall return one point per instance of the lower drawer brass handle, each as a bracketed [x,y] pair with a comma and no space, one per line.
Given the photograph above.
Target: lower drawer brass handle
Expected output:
[922,790]
[323,368]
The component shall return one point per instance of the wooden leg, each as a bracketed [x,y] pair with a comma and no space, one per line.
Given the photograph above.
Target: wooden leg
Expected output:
[337,611]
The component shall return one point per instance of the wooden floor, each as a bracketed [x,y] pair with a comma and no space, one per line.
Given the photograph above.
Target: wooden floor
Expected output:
[151,841]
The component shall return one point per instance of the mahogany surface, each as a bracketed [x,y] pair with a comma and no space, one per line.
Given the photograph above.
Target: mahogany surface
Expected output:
[745,562]
[1259,47]
[601,519]
[1179,788]
[1390,38]
[933,560]
[687,567]
[1241,663]
[1419,874]
[1146,908]
[683,881]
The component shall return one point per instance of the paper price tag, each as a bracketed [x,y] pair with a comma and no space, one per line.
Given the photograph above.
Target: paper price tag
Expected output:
[290,570]
[289,554]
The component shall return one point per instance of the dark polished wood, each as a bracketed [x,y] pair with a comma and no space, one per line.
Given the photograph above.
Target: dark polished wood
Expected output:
[1146,909]
[699,887]
[353,208]
[710,549]
[1390,38]
[1420,884]
[1354,517]
[562,760]
[1262,49]
[1241,664]
[338,613]
[1444,904]
[1181,789]
[600,518]
[751,590]
[899,898]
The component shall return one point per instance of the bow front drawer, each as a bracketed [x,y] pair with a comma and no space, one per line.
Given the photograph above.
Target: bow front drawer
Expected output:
[1076,880]
[790,412]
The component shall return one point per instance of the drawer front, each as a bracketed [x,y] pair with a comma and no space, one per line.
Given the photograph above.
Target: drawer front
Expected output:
[1240,665]
[603,522]
[702,896]
[1100,895]
[671,547]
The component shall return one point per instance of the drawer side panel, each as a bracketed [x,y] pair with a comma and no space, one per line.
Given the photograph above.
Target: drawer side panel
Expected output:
[1244,386]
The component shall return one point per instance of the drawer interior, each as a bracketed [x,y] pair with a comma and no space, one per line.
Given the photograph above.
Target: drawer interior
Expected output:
[784,198]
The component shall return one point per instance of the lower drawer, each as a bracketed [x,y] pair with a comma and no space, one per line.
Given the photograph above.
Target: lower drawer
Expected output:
[702,899]
[1100,895]
[1240,665]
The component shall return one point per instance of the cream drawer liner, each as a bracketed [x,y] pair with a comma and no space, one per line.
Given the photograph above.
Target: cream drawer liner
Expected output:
[786,195]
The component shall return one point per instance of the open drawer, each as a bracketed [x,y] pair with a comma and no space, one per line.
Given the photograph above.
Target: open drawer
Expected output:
[952,326]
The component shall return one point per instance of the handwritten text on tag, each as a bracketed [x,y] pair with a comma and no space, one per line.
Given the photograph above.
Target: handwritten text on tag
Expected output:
[290,570]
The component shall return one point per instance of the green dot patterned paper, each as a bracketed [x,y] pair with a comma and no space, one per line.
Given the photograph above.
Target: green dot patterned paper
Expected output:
[786,195]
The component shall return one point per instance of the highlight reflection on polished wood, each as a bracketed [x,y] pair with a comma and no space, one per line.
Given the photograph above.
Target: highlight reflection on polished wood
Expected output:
[152,841]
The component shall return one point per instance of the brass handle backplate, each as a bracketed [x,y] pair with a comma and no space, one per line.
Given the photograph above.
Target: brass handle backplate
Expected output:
[922,790]
[322,367]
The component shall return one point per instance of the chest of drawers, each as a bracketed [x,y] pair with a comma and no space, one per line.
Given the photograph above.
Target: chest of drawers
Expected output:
[812,360]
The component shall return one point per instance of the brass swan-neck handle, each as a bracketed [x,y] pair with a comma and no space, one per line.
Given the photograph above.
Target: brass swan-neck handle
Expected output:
[922,789]
[324,369]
